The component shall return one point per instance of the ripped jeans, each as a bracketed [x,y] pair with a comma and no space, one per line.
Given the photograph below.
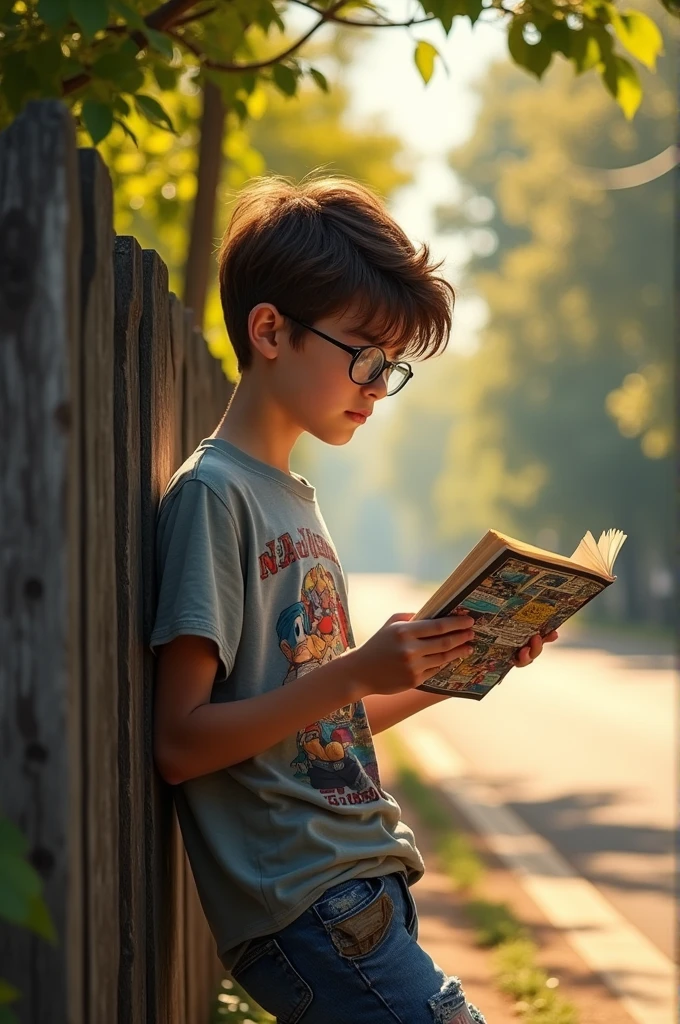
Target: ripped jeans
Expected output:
[353,958]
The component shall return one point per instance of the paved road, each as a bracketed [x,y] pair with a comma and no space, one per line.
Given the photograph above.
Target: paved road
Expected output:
[581,745]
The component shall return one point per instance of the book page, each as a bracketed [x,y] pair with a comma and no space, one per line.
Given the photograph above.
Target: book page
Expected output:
[601,555]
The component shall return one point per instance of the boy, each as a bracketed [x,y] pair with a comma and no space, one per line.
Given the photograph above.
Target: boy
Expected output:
[264,707]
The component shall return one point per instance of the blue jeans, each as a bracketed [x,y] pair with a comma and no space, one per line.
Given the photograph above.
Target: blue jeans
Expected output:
[353,958]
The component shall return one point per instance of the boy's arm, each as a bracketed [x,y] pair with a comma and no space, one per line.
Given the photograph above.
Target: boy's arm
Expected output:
[385,710]
[193,737]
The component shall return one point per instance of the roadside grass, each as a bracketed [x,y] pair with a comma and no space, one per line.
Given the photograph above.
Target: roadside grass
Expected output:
[496,927]
[234,1005]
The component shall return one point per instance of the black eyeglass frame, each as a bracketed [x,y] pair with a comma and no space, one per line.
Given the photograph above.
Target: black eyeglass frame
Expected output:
[355,351]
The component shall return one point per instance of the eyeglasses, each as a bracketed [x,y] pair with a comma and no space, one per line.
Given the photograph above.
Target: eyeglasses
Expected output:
[368,361]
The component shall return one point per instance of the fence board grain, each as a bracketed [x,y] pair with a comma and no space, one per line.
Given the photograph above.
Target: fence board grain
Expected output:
[99,613]
[40,671]
[131,757]
[105,388]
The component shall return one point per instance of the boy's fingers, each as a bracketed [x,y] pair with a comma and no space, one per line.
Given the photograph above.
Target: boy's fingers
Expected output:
[445,624]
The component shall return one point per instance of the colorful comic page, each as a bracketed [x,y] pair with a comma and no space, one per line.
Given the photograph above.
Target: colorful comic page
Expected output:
[517,600]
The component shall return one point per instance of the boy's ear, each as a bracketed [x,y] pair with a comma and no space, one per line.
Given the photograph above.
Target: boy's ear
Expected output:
[264,320]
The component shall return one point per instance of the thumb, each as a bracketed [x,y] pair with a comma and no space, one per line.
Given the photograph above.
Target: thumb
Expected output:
[400,617]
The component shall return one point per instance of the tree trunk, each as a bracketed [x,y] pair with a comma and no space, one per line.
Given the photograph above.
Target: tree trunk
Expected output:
[201,240]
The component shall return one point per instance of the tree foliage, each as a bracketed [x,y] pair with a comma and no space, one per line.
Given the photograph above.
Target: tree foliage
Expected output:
[562,419]
[155,179]
[101,56]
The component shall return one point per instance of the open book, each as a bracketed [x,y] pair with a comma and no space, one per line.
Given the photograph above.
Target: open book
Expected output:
[513,590]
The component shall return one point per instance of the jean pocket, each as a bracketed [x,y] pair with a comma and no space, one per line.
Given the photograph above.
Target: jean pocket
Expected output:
[266,973]
[356,915]
[411,921]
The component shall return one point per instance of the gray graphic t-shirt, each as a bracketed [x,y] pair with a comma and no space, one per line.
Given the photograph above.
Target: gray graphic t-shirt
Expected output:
[244,557]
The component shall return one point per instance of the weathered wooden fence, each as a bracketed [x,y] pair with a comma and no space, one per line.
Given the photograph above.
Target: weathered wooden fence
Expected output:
[105,388]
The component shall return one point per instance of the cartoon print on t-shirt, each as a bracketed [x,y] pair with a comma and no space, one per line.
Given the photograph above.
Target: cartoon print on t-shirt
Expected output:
[335,754]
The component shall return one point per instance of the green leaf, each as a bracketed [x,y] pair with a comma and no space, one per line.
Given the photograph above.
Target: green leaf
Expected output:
[159,41]
[91,15]
[39,920]
[534,57]
[128,131]
[97,118]
[47,61]
[285,79]
[19,81]
[240,109]
[585,50]
[113,66]
[121,106]
[154,112]
[539,56]
[8,993]
[424,56]
[640,36]
[55,13]
[12,840]
[473,9]
[517,44]
[7,1017]
[132,17]
[121,66]
[249,82]
[622,80]
[165,76]
[320,79]
[447,10]
[558,36]
[19,881]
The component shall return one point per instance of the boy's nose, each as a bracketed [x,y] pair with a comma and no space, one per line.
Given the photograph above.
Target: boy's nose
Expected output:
[377,388]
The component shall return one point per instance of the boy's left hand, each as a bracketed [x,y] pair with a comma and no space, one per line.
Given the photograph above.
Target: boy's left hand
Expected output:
[526,655]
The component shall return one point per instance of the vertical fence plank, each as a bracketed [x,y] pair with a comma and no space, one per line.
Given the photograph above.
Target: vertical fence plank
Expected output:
[179,937]
[156,458]
[177,317]
[103,393]
[40,734]
[188,420]
[99,611]
[132,993]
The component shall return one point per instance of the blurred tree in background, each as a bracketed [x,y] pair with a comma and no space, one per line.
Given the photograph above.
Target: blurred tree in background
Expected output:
[561,421]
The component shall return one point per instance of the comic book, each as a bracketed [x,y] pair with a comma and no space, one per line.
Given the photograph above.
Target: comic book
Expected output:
[513,590]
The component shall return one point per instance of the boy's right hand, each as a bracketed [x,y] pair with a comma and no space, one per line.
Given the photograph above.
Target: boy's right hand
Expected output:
[404,653]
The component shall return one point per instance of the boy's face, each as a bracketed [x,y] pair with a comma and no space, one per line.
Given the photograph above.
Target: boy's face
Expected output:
[315,386]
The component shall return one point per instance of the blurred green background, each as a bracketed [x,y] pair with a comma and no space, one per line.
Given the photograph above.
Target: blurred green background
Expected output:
[550,413]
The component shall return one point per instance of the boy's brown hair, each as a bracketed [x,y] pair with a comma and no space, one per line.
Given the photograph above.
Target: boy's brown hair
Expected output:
[317,247]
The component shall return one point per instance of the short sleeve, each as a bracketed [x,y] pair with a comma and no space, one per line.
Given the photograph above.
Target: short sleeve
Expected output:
[200,579]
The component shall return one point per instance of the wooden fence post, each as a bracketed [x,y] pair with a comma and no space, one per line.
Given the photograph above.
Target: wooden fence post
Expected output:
[132,983]
[103,385]
[157,451]
[98,581]
[40,667]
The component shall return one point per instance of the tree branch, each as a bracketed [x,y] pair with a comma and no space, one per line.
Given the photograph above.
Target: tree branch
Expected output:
[216,65]
[171,15]
[366,24]
[194,17]
[168,13]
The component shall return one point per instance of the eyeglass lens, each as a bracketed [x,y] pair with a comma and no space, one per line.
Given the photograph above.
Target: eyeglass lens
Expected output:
[368,366]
